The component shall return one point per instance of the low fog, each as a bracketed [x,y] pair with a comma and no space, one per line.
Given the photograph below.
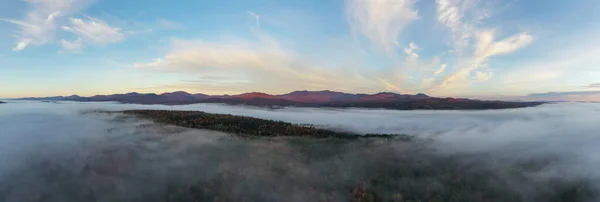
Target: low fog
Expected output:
[64,152]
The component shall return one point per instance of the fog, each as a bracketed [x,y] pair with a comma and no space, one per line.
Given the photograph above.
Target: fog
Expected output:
[62,152]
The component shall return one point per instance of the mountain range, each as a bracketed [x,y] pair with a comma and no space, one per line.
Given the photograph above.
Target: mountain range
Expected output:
[325,98]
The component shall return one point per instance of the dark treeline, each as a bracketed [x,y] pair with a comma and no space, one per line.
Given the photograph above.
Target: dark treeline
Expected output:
[244,125]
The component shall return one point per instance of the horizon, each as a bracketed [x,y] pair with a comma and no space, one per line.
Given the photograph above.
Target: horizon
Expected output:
[549,97]
[443,48]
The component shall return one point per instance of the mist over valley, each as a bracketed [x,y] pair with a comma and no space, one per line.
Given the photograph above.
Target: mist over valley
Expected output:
[71,151]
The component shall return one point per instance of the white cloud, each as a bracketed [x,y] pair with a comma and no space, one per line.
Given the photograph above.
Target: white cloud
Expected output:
[391,87]
[71,46]
[205,55]
[461,18]
[483,76]
[541,74]
[380,21]
[21,45]
[486,46]
[94,31]
[411,52]
[450,13]
[484,49]
[441,69]
[40,23]
[264,64]
[46,16]
[256,16]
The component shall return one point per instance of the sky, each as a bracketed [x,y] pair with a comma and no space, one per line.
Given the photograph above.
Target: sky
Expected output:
[497,49]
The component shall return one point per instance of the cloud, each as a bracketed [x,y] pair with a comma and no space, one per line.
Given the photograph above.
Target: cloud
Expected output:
[263,64]
[380,21]
[71,46]
[21,45]
[168,24]
[411,52]
[483,76]
[40,23]
[256,16]
[567,96]
[554,71]
[594,85]
[450,13]
[564,93]
[94,31]
[467,37]
[206,55]
[486,46]
[441,69]
[494,149]
[391,87]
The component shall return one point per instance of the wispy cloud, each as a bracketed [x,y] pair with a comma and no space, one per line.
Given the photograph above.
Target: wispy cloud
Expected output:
[594,85]
[451,13]
[168,24]
[71,46]
[381,21]
[391,87]
[40,23]
[473,46]
[264,64]
[441,69]
[567,96]
[483,76]
[256,16]
[411,52]
[94,31]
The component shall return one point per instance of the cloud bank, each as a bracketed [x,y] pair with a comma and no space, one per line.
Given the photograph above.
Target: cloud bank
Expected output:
[90,156]
[58,153]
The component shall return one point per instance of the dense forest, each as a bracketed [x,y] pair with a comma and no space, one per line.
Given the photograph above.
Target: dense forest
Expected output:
[244,125]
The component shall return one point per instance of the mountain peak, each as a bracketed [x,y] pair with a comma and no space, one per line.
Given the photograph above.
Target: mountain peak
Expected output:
[306,96]
[387,93]
[254,95]
[177,93]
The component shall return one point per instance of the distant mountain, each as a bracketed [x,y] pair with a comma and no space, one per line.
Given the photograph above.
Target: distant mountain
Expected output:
[254,95]
[326,98]
[320,96]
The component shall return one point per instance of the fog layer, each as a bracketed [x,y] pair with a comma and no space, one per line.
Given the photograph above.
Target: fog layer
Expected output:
[58,152]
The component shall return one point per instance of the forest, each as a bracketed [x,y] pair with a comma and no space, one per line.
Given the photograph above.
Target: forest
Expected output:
[244,125]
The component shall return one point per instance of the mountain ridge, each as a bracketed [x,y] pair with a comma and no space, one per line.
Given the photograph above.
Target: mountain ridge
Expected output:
[302,98]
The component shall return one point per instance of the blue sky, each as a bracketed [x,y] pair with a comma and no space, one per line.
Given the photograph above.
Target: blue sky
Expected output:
[473,48]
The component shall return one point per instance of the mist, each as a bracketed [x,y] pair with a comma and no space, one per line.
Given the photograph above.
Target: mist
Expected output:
[63,152]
